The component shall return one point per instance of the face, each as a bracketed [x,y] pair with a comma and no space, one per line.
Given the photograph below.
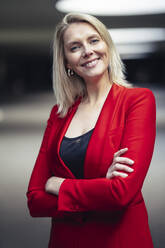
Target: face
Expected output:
[85,51]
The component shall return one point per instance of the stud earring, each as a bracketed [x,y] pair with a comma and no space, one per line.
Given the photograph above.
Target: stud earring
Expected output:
[70,72]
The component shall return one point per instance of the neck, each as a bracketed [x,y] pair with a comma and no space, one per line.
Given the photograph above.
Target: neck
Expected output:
[97,89]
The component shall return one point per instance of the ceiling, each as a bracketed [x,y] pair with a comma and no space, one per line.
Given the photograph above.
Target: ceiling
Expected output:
[30,24]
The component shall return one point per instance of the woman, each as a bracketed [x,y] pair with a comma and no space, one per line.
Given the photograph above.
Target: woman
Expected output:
[97,146]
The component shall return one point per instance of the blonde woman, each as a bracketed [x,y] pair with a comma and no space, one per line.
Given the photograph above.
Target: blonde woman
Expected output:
[97,146]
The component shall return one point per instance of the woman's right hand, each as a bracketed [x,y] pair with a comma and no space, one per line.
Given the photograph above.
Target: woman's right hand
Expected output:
[120,165]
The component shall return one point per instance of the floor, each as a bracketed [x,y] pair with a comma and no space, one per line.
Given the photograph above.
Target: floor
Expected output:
[21,128]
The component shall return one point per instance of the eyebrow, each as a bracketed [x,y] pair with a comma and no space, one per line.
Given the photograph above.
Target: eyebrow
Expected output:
[72,43]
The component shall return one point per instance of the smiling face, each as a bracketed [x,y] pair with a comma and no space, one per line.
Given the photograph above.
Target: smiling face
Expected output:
[85,51]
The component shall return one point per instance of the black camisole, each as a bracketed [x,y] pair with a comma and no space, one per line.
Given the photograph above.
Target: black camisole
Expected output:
[72,152]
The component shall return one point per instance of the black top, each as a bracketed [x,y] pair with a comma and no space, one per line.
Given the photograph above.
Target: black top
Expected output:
[72,152]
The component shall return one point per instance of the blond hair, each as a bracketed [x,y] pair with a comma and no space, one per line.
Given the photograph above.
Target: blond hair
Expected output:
[67,89]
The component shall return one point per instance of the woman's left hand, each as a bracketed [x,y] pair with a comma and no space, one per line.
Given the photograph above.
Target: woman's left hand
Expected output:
[53,185]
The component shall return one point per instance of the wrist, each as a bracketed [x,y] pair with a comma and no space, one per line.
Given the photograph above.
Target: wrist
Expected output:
[58,185]
[53,185]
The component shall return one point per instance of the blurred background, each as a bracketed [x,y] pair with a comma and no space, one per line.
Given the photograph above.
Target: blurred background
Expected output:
[26,98]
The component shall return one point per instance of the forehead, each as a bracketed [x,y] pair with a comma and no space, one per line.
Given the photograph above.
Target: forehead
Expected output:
[78,31]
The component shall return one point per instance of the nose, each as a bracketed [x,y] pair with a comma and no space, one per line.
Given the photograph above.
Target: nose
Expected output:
[87,51]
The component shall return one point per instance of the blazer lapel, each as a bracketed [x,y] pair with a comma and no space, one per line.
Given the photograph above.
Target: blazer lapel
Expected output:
[100,149]
[61,125]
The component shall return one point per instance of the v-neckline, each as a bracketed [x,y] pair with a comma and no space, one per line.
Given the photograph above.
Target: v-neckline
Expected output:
[93,127]
[67,122]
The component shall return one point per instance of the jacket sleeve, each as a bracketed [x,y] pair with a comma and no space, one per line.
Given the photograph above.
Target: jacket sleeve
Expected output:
[40,203]
[102,194]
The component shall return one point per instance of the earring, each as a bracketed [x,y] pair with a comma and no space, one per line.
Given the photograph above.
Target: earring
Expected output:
[70,72]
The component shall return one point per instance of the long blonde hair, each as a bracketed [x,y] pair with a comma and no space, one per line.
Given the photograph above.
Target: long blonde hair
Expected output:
[67,89]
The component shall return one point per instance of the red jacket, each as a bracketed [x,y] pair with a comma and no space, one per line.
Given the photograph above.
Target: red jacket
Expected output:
[95,211]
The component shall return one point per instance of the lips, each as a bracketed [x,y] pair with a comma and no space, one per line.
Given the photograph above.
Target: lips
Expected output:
[90,63]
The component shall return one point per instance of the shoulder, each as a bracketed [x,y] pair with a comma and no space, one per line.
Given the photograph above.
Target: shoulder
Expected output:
[53,113]
[137,99]
[139,95]
[136,91]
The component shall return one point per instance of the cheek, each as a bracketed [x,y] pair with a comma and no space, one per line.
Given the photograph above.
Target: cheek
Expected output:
[102,48]
[70,58]
[73,59]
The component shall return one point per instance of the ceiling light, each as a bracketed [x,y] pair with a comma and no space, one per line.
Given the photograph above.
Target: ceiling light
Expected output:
[137,42]
[117,7]
[137,35]
[128,51]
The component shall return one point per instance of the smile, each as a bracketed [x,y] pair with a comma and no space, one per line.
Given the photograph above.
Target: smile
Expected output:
[90,64]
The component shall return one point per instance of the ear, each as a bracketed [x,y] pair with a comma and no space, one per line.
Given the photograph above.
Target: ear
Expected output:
[68,66]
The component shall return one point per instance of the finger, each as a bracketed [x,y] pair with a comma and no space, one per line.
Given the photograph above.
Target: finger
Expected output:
[118,153]
[123,167]
[108,175]
[123,160]
[119,174]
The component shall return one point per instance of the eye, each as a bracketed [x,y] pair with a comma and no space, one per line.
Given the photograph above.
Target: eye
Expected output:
[74,48]
[95,40]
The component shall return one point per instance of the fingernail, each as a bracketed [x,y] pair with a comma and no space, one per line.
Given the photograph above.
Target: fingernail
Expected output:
[130,169]
[132,162]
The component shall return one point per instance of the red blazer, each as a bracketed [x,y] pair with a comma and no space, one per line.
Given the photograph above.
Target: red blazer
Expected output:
[95,211]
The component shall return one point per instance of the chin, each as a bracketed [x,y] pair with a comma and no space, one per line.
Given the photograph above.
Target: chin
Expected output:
[95,74]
